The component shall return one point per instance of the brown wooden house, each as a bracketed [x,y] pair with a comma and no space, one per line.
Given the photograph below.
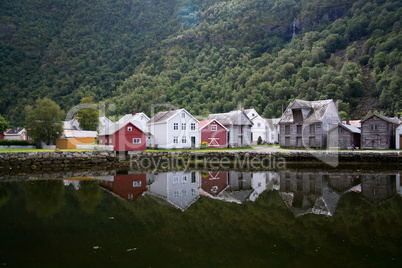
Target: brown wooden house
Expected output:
[306,123]
[343,136]
[378,132]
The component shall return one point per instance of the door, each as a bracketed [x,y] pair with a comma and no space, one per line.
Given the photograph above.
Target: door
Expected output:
[192,142]
[400,141]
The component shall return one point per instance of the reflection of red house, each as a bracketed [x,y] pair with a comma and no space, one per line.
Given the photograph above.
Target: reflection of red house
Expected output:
[214,133]
[124,138]
[1,136]
[213,183]
[128,187]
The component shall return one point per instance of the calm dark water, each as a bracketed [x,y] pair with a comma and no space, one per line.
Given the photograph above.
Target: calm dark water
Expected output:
[202,219]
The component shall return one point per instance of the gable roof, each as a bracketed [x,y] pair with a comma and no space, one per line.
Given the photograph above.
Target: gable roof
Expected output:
[205,123]
[355,123]
[68,133]
[316,113]
[122,122]
[14,131]
[229,118]
[163,117]
[390,120]
[272,122]
[349,128]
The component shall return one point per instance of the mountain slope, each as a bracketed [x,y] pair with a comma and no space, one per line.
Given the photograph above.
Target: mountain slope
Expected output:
[205,56]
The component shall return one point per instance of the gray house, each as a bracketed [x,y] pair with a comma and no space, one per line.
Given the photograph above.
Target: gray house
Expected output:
[306,123]
[239,126]
[378,132]
[343,136]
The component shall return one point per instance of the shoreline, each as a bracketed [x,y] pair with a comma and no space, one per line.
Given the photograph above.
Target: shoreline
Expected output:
[251,159]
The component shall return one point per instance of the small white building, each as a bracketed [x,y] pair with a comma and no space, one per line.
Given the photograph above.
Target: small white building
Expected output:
[272,126]
[16,134]
[173,129]
[139,120]
[259,128]
[398,137]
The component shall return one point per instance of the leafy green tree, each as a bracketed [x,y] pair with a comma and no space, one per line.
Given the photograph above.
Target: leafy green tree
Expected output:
[88,114]
[44,121]
[4,125]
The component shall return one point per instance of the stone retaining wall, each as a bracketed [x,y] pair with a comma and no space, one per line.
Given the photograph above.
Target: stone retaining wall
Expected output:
[49,161]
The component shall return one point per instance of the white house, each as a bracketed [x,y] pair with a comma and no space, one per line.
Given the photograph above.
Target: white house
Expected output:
[398,137]
[259,127]
[16,134]
[173,129]
[179,189]
[104,123]
[272,126]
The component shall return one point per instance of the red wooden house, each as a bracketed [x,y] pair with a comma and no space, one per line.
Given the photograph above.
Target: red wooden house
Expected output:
[213,183]
[214,133]
[127,137]
[128,187]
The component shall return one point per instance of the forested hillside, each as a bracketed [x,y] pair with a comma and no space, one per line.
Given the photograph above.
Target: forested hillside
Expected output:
[202,55]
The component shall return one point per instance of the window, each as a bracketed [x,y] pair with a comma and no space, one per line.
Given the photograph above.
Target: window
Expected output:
[192,126]
[175,180]
[175,126]
[183,115]
[312,129]
[129,129]
[136,141]
[299,129]
[183,139]
[287,141]
[287,130]
[176,193]
[184,179]
[374,127]
[340,130]
[175,139]
[110,140]
[183,126]
[100,141]
[136,183]
[193,191]
[312,141]
[258,124]
[214,127]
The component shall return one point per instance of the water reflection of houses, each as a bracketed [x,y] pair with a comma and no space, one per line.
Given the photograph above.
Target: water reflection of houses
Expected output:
[237,187]
[179,189]
[307,193]
[128,186]
[377,188]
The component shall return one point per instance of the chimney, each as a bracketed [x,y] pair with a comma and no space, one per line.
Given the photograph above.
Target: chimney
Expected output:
[170,108]
[133,112]
[347,122]
[399,116]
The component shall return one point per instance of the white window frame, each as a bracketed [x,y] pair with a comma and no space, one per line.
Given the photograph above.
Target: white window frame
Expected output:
[137,184]
[184,139]
[192,126]
[214,127]
[175,126]
[183,115]
[183,126]
[129,128]
[184,179]
[175,139]
[175,179]
[136,140]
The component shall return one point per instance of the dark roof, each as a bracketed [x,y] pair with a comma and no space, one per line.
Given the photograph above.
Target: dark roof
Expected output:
[229,118]
[390,120]
[14,131]
[349,128]
[316,114]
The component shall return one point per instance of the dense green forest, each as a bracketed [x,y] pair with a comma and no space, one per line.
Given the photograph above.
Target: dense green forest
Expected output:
[205,56]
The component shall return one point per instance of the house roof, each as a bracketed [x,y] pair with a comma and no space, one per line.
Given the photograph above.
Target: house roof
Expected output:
[68,133]
[228,118]
[316,114]
[123,121]
[390,120]
[350,128]
[71,124]
[14,131]
[355,123]
[272,122]
[205,123]
[163,117]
